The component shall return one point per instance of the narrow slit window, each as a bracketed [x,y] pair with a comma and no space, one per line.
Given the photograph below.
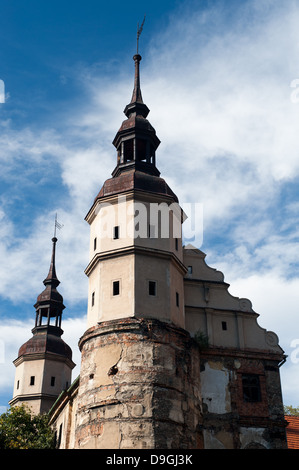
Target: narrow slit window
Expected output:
[18,384]
[189,269]
[152,288]
[176,244]
[177,299]
[52,381]
[92,299]
[116,232]
[224,325]
[95,243]
[32,380]
[59,437]
[115,287]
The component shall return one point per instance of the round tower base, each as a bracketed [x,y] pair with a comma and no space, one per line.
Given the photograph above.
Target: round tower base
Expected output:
[139,387]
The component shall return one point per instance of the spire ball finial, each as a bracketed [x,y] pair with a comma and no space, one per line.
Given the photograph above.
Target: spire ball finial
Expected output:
[137,58]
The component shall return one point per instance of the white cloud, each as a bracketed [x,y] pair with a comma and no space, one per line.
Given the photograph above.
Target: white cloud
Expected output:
[226,93]
[29,258]
[220,98]
[25,251]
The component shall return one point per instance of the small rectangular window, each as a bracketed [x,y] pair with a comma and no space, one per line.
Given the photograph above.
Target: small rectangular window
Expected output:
[32,380]
[59,437]
[95,244]
[251,388]
[92,299]
[18,384]
[189,269]
[177,298]
[224,325]
[152,287]
[52,381]
[115,287]
[116,232]
[176,244]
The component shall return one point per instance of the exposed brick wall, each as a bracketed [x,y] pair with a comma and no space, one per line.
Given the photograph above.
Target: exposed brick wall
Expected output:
[256,409]
[147,384]
[139,387]
[244,424]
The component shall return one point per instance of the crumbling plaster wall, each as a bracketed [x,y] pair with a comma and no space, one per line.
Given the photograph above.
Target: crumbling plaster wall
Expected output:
[139,387]
[228,421]
[215,381]
[216,399]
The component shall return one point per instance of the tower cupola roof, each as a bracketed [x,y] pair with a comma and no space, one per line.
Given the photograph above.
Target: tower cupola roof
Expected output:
[47,331]
[136,105]
[52,278]
[50,294]
[136,140]
[49,303]
[136,143]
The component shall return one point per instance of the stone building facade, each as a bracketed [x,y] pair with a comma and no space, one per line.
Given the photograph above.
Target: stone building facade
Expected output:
[170,359]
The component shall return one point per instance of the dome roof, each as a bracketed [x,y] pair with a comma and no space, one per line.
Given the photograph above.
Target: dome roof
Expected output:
[138,122]
[46,339]
[49,293]
[136,180]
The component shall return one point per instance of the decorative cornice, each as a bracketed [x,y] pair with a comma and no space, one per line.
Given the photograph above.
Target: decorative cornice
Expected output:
[130,194]
[43,356]
[134,250]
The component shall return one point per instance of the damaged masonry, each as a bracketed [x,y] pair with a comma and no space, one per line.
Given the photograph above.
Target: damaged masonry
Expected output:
[169,359]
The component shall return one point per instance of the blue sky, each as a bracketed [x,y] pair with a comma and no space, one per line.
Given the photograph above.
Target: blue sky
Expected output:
[220,80]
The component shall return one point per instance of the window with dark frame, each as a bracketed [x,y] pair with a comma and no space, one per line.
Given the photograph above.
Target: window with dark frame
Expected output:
[189,269]
[116,232]
[251,388]
[115,287]
[152,285]
[58,442]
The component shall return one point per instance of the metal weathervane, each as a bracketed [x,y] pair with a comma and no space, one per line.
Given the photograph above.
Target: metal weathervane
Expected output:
[57,225]
[139,31]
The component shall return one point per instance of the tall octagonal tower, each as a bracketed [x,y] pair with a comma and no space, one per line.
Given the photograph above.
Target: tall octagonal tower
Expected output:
[139,369]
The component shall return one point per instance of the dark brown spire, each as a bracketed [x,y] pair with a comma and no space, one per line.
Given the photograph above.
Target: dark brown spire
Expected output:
[52,277]
[136,106]
[137,96]
[136,141]
[49,303]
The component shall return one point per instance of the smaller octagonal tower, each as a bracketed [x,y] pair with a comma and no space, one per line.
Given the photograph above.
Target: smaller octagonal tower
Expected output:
[44,363]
